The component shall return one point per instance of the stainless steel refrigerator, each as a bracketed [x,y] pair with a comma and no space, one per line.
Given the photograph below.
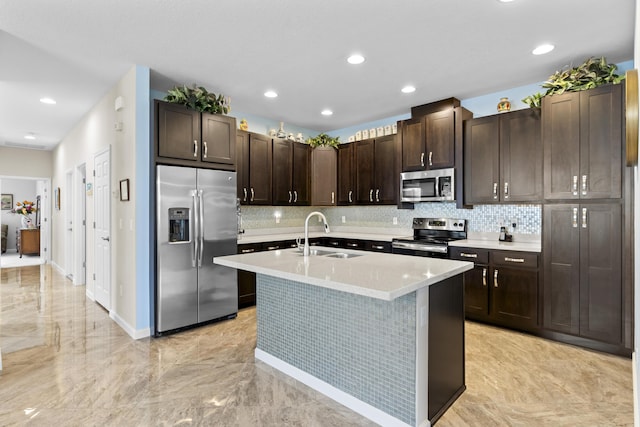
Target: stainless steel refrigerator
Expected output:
[196,221]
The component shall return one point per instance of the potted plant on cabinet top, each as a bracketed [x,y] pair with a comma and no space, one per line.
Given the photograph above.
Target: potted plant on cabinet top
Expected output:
[592,73]
[324,140]
[199,98]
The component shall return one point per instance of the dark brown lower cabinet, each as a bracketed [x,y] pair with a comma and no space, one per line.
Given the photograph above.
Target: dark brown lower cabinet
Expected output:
[502,288]
[582,249]
[247,279]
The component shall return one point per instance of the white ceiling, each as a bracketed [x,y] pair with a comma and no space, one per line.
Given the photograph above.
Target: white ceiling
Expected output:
[75,51]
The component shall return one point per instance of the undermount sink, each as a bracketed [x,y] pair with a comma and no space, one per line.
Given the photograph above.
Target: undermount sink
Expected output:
[318,252]
[342,255]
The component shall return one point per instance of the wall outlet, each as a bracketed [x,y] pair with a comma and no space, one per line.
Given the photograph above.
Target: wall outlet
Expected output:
[395,220]
[277,220]
[344,219]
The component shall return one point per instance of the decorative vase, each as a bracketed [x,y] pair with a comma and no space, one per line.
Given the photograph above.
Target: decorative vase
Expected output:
[281,132]
[504,105]
[26,221]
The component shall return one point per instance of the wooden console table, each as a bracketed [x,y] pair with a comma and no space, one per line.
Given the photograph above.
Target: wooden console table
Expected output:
[28,241]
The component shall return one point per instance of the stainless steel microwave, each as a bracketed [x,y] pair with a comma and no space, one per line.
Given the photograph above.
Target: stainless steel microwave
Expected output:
[427,186]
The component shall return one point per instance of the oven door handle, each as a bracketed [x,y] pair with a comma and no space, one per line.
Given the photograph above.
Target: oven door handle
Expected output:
[420,247]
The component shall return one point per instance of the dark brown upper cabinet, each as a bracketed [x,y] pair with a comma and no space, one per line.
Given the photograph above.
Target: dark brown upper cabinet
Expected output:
[291,174]
[254,165]
[376,179]
[346,174]
[324,176]
[582,134]
[429,142]
[189,138]
[503,158]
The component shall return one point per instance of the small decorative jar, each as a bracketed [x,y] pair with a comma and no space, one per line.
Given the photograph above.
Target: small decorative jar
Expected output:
[504,105]
[244,125]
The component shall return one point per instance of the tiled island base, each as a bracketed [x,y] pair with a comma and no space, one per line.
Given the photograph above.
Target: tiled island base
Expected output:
[399,362]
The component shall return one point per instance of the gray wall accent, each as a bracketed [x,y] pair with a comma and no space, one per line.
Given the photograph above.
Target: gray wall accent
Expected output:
[360,345]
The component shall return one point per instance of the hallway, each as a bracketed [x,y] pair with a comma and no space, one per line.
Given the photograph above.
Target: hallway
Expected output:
[66,363]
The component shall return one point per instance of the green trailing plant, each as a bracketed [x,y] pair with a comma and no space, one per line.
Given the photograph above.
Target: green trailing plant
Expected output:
[199,98]
[324,140]
[592,73]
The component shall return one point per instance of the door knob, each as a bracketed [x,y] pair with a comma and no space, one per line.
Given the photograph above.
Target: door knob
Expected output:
[105,238]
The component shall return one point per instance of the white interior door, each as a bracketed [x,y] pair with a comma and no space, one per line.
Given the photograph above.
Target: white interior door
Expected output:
[67,208]
[102,234]
[79,238]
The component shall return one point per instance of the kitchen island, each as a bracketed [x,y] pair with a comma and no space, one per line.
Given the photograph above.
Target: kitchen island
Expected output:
[382,334]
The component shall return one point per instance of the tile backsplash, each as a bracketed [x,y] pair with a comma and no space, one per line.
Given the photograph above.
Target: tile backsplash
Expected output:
[481,219]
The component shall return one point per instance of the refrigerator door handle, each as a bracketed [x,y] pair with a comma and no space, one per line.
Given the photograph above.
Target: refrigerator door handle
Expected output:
[201,231]
[195,221]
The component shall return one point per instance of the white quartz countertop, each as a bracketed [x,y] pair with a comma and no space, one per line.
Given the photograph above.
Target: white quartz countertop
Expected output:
[372,274]
[497,245]
[260,238]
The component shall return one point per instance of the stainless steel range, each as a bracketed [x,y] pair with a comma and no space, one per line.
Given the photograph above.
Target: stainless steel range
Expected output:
[431,237]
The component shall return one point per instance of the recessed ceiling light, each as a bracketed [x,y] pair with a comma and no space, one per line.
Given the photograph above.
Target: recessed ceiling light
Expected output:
[49,101]
[326,112]
[408,89]
[505,1]
[355,59]
[30,136]
[542,49]
[271,94]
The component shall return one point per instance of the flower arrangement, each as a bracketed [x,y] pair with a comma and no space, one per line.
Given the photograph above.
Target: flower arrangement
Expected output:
[25,208]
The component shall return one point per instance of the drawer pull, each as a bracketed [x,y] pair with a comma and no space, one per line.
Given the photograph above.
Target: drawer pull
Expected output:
[271,248]
[466,255]
[246,251]
[508,259]
[352,245]
[377,247]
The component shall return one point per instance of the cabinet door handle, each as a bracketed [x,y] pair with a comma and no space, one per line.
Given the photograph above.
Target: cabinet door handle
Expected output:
[422,159]
[584,185]
[584,217]
[574,222]
[371,195]
[508,259]
[204,143]
[252,194]
[290,196]
[495,278]
[495,190]
[195,148]
[295,196]
[484,276]
[430,158]
[350,196]
[574,187]
[377,195]
[247,251]
[333,197]
[506,190]
[245,193]
[466,255]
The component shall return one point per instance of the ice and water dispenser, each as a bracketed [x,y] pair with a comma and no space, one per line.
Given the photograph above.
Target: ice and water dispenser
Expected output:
[179,225]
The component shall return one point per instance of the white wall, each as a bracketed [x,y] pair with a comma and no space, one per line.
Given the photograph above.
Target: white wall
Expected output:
[94,133]
[16,162]
[22,189]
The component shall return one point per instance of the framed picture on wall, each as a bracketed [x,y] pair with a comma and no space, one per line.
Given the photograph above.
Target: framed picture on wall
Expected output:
[6,201]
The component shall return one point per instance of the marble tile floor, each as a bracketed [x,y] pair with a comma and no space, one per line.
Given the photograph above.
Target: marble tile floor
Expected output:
[67,364]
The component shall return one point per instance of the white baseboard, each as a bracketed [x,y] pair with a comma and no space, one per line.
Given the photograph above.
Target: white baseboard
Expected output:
[132,332]
[57,267]
[374,414]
